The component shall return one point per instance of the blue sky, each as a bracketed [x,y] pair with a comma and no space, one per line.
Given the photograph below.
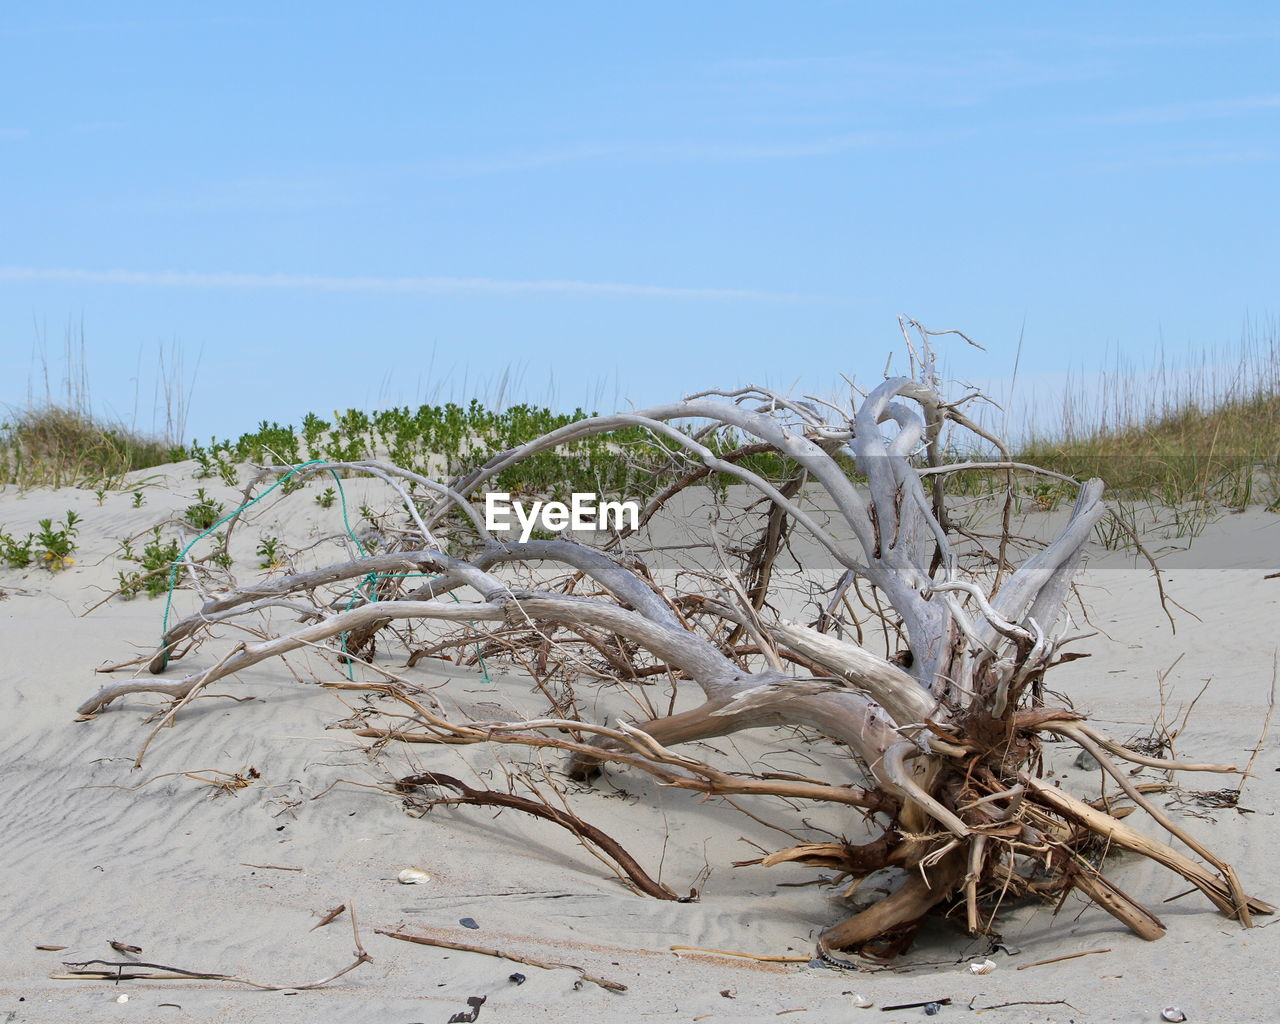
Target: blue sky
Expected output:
[326,205]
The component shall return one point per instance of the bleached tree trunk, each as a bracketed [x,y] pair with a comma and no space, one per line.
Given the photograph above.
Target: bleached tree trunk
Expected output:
[944,731]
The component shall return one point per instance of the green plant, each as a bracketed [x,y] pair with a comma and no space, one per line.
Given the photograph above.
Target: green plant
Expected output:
[55,544]
[127,584]
[326,499]
[138,499]
[268,551]
[203,460]
[227,468]
[204,512]
[156,560]
[221,557]
[1044,496]
[101,494]
[16,553]
[313,428]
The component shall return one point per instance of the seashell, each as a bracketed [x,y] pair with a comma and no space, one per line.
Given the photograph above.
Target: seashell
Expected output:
[982,967]
[862,1002]
[122,999]
[1173,1013]
[413,876]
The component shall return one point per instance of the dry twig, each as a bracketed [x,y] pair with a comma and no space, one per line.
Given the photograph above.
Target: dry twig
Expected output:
[466,947]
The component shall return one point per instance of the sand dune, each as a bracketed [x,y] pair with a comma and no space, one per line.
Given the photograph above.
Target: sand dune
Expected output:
[83,861]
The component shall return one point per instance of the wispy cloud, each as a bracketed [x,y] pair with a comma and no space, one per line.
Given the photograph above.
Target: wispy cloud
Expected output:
[94,127]
[681,152]
[122,26]
[1195,110]
[947,79]
[1210,154]
[1176,40]
[400,285]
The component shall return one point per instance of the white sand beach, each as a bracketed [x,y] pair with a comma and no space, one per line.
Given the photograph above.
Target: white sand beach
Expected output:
[235,882]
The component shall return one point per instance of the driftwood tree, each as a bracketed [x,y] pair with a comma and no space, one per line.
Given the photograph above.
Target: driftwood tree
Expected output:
[948,731]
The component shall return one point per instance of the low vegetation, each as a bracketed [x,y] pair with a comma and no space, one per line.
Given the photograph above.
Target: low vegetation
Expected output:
[55,446]
[1204,435]
[1210,433]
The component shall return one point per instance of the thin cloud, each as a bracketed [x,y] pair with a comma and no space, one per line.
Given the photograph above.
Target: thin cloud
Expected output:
[1199,110]
[1155,40]
[983,70]
[390,285]
[828,146]
[133,25]
[676,152]
[1147,159]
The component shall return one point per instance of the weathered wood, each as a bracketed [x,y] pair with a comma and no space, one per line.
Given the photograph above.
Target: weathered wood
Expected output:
[942,733]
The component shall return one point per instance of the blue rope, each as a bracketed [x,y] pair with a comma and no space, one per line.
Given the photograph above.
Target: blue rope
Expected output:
[369,583]
[173,569]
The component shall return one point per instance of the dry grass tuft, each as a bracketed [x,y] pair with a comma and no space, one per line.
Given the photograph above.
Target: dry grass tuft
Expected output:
[1209,433]
[54,446]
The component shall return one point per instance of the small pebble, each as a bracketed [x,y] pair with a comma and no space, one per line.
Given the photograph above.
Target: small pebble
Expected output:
[932,1009]
[518,978]
[468,922]
[122,999]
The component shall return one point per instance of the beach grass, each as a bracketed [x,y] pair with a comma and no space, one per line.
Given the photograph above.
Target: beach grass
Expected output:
[56,439]
[1206,432]
[56,446]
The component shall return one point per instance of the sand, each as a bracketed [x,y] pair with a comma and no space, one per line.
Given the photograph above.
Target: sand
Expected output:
[166,867]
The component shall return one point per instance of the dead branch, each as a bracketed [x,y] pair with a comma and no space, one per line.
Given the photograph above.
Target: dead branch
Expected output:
[582,830]
[135,970]
[466,947]
[943,728]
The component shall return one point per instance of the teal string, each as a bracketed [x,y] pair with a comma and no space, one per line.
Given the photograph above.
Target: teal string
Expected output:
[368,584]
[173,569]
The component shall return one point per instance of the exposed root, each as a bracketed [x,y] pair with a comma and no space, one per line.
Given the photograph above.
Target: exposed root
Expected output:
[941,738]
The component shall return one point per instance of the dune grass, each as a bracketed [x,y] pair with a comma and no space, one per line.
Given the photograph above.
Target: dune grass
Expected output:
[1228,453]
[57,440]
[1206,433]
[56,446]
